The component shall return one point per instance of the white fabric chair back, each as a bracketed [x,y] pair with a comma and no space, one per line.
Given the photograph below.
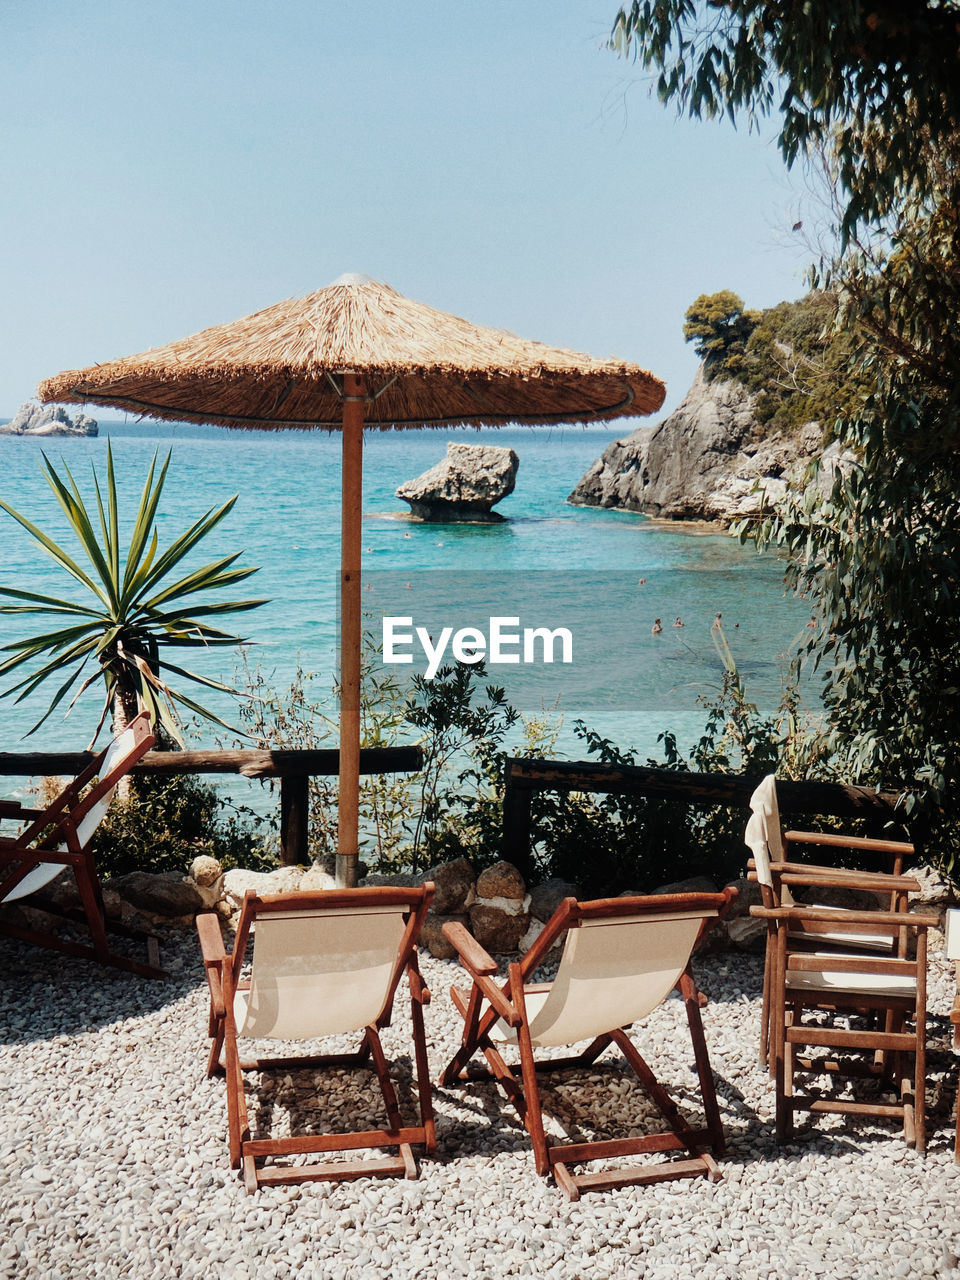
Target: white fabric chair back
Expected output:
[952,934]
[44,872]
[614,972]
[319,972]
[763,829]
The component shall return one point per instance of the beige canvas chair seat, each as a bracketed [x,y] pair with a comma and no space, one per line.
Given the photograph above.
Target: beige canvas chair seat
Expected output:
[324,964]
[58,838]
[777,876]
[622,957]
[903,987]
[887,1038]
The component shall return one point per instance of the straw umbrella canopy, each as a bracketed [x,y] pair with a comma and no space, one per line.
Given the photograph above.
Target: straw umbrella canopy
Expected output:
[356,354]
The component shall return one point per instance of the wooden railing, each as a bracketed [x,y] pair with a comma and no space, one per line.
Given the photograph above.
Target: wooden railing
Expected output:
[293,768]
[523,776]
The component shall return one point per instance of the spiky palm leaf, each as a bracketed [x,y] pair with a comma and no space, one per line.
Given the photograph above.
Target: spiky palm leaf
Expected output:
[139,608]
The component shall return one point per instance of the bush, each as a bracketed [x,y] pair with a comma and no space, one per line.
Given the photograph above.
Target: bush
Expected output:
[168,821]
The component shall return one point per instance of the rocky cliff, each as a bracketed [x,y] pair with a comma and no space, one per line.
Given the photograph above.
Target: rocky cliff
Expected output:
[34,419]
[708,460]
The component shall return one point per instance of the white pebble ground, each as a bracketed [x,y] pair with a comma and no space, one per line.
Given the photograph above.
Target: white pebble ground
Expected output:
[113,1159]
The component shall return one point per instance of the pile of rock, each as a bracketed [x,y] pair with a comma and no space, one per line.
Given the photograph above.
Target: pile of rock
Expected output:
[496,906]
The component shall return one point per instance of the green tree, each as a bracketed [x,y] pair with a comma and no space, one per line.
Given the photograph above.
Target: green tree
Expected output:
[718,327]
[876,88]
[134,608]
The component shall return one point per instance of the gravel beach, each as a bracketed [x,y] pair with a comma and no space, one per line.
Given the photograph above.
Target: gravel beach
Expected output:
[113,1156]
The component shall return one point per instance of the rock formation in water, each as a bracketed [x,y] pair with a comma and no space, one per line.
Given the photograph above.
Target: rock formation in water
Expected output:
[708,460]
[464,485]
[34,419]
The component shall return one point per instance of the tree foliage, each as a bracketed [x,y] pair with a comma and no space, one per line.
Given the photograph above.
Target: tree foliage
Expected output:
[798,364]
[876,87]
[718,327]
[880,78]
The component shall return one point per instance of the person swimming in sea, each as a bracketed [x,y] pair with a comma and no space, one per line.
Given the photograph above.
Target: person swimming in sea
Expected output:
[716,622]
[657,626]
[679,622]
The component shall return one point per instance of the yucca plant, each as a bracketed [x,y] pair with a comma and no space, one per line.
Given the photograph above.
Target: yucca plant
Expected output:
[136,607]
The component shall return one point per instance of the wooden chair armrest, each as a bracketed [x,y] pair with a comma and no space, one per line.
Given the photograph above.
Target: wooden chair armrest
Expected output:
[480,966]
[214,956]
[822,877]
[835,840]
[471,953]
[840,916]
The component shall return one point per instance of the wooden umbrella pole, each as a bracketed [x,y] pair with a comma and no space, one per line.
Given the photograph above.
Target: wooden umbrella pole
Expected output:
[348,843]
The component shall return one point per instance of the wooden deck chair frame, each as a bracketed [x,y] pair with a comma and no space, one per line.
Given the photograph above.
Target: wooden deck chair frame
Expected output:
[777,875]
[487,1002]
[849,985]
[60,836]
[952,949]
[223,975]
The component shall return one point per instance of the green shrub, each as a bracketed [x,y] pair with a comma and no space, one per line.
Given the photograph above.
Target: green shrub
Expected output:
[168,821]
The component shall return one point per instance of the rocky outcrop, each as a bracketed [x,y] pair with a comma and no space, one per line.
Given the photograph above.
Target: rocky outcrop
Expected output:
[34,419]
[708,460]
[464,486]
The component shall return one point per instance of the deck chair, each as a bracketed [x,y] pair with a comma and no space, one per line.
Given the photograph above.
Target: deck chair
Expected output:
[771,868]
[59,837]
[849,994]
[952,946]
[324,964]
[621,959]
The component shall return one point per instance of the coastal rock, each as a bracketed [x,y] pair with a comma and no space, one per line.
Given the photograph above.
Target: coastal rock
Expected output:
[502,880]
[546,897]
[432,937]
[33,419]
[237,881]
[695,884]
[708,460]
[464,485]
[453,886]
[497,928]
[169,895]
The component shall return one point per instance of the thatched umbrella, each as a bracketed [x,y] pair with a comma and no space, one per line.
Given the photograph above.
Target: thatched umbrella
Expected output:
[358,353]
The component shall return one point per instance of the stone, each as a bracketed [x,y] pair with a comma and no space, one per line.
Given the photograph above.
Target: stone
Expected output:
[454,883]
[315,877]
[170,894]
[747,934]
[398,879]
[502,880]
[205,871]
[33,419]
[937,891]
[708,460]
[546,897]
[748,895]
[464,485]
[432,937]
[237,881]
[495,929]
[534,931]
[696,884]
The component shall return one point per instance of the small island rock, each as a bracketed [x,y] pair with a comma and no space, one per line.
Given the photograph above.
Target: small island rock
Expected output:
[34,419]
[464,485]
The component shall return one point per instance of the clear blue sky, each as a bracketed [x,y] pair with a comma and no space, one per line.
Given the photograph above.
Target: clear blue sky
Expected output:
[177,164]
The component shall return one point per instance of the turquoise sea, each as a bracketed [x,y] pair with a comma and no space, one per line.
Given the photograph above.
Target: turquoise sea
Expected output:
[549,564]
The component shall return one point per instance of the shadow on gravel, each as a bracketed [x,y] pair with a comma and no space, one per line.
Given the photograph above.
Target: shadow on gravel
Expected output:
[45,993]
